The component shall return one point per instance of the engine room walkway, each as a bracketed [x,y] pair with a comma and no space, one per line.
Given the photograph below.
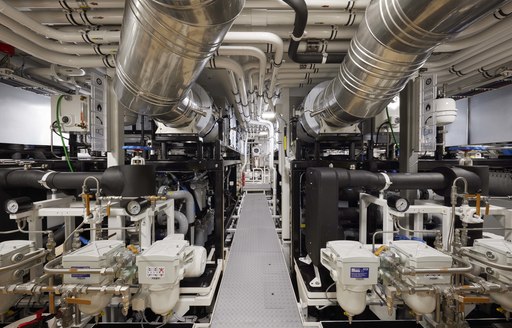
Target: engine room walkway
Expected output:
[256,290]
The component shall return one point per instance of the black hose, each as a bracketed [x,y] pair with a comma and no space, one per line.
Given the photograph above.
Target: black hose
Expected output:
[299,26]
[19,178]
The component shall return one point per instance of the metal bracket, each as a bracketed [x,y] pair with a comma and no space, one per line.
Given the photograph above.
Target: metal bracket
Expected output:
[316,282]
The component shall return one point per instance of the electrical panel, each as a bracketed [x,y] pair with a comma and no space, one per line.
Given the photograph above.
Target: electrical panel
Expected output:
[99,117]
[428,121]
[71,113]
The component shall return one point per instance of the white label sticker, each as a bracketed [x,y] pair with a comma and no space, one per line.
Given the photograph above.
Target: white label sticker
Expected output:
[155,272]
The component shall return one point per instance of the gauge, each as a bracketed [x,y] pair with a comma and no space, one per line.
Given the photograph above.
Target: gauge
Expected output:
[398,203]
[136,206]
[20,204]
[133,207]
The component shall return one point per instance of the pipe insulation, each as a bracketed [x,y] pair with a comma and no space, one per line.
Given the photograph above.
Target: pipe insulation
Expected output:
[86,61]
[500,184]
[182,222]
[98,37]
[175,39]
[187,197]
[125,180]
[394,40]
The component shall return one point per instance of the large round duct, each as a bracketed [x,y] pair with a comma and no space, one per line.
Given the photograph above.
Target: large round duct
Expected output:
[391,44]
[164,47]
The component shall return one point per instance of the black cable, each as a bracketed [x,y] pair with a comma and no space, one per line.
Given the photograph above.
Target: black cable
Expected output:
[299,26]
[378,130]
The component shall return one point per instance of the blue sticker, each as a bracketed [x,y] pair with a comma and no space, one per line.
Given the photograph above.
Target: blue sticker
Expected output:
[359,273]
[80,275]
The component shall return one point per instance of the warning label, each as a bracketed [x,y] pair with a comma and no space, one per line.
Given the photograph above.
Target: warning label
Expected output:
[155,272]
[359,273]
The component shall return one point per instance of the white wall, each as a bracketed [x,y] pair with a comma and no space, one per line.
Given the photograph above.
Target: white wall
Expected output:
[25,117]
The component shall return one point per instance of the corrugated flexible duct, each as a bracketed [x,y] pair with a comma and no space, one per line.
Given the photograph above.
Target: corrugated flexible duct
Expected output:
[164,46]
[392,43]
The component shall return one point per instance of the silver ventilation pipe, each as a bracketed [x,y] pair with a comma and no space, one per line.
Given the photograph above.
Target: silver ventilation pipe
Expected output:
[392,43]
[164,46]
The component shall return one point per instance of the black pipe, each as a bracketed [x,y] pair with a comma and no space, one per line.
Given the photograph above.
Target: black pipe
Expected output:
[427,180]
[359,178]
[18,178]
[500,184]
[125,180]
[299,26]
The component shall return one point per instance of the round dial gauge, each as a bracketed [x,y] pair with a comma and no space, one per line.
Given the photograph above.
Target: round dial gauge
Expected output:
[133,207]
[12,206]
[16,205]
[402,205]
[398,203]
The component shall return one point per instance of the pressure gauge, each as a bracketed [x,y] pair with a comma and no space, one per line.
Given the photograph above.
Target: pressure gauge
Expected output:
[20,204]
[136,206]
[398,203]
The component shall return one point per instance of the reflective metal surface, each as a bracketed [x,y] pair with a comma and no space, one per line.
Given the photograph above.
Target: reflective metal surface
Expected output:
[392,43]
[164,46]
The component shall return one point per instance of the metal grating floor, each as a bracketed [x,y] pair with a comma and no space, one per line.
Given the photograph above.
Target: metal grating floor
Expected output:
[256,290]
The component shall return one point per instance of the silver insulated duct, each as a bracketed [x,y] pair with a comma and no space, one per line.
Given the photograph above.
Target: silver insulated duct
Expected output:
[164,46]
[392,43]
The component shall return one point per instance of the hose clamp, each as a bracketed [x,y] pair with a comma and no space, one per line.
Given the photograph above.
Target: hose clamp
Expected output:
[42,182]
[388,181]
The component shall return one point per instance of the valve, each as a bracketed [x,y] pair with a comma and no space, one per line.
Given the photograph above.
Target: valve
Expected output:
[468,214]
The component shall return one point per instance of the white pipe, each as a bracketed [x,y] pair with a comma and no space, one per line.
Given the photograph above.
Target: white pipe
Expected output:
[90,36]
[273,4]
[251,69]
[495,31]
[271,138]
[258,38]
[476,65]
[481,75]
[249,51]
[291,65]
[474,83]
[312,4]
[254,17]
[313,75]
[301,80]
[329,32]
[79,17]
[502,52]
[320,47]
[239,86]
[182,222]
[55,72]
[306,70]
[66,48]
[9,37]
[245,152]
[468,53]
[190,210]
[484,23]
[264,17]
[69,4]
